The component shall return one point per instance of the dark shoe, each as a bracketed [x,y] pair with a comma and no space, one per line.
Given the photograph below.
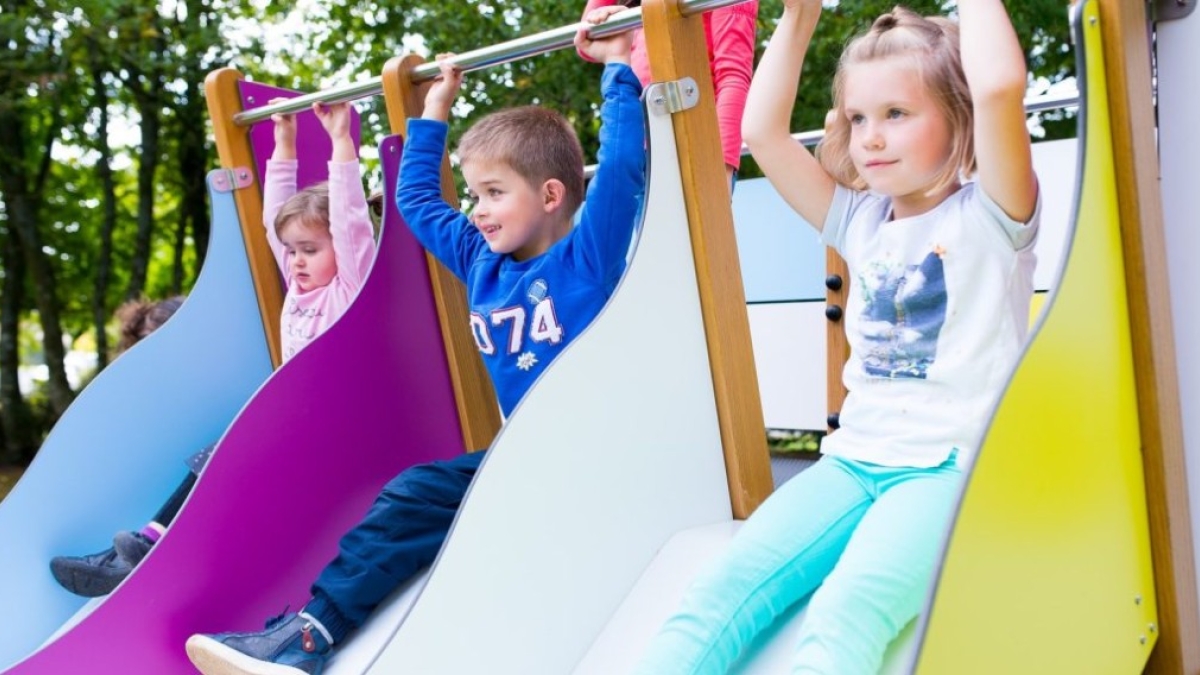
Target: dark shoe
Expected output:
[290,645]
[132,546]
[91,575]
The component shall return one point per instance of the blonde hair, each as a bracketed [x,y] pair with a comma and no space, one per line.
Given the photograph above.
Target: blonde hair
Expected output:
[538,144]
[931,43]
[309,206]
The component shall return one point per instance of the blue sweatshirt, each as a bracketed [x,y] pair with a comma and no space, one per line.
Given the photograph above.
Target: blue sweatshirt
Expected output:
[524,313]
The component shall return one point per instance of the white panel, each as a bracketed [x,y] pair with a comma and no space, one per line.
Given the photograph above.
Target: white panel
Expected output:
[789,354]
[1057,170]
[660,590]
[1179,152]
[614,450]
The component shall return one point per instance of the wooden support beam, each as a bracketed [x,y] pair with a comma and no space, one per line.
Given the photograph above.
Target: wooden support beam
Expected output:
[1127,62]
[234,151]
[678,49]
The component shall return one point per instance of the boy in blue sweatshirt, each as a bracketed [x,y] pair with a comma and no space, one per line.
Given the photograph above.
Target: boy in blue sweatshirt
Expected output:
[534,283]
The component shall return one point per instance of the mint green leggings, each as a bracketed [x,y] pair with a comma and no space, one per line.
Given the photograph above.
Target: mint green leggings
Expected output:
[864,537]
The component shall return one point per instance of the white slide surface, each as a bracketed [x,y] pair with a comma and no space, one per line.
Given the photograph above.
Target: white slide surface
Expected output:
[614,450]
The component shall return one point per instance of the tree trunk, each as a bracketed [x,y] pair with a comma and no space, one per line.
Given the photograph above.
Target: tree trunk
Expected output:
[45,296]
[177,270]
[19,445]
[19,204]
[147,167]
[192,116]
[193,165]
[100,314]
[150,97]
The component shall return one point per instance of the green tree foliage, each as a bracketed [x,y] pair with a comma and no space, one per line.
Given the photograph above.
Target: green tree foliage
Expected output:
[104,141]
[86,182]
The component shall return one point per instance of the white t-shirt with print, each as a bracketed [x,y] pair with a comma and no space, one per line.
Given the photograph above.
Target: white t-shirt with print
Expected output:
[936,318]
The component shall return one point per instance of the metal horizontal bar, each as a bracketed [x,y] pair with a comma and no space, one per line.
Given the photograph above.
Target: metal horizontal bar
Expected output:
[1033,104]
[478,59]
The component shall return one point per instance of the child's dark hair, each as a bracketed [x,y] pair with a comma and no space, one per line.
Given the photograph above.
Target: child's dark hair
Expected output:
[139,318]
[309,206]
[538,144]
[375,206]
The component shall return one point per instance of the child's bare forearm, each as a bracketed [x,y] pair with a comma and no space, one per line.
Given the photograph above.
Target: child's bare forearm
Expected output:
[992,59]
[772,95]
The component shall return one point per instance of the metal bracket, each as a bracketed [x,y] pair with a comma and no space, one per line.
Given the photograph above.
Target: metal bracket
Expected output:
[665,98]
[228,180]
[1169,10]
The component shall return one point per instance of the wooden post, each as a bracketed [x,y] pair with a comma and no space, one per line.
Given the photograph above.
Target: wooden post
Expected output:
[478,412]
[234,151]
[1127,61]
[678,49]
[837,346]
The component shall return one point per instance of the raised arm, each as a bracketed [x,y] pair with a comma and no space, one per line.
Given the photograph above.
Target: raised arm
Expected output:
[441,229]
[611,205]
[280,182]
[349,221]
[733,31]
[994,66]
[766,126]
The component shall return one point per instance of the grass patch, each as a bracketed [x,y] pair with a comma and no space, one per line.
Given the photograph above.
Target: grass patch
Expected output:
[793,441]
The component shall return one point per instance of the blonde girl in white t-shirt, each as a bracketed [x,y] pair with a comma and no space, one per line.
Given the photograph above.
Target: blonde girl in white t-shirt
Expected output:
[940,285]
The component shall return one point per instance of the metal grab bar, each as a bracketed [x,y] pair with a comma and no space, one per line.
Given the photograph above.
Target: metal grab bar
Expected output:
[1033,104]
[478,59]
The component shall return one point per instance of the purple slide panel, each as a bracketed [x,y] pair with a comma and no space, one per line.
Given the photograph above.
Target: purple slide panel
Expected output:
[312,143]
[297,468]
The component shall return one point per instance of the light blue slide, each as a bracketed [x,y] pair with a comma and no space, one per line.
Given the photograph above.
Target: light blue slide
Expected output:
[119,450]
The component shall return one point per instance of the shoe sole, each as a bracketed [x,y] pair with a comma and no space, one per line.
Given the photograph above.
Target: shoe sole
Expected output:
[215,658]
[84,582]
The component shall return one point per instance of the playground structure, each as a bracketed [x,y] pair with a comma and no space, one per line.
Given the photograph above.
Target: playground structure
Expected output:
[1072,551]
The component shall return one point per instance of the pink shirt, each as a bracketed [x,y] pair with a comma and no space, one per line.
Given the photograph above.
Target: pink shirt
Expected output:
[730,32]
[307,315]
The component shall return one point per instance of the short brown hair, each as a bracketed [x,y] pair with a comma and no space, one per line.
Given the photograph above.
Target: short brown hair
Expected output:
[932,45]
[538,144]
[310,206]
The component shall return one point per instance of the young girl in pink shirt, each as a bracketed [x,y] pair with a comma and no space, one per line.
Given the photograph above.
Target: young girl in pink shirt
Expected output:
[322,235]
[324,243]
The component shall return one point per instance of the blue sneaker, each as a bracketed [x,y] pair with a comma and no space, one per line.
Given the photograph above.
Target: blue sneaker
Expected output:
[90,575]
[292,644]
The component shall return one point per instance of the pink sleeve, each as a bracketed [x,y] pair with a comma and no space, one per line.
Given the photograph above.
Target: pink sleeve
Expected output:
[350,223]
[279,187]
[732,32]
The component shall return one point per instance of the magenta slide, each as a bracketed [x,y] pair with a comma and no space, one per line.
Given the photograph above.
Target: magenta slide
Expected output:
[299,465]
